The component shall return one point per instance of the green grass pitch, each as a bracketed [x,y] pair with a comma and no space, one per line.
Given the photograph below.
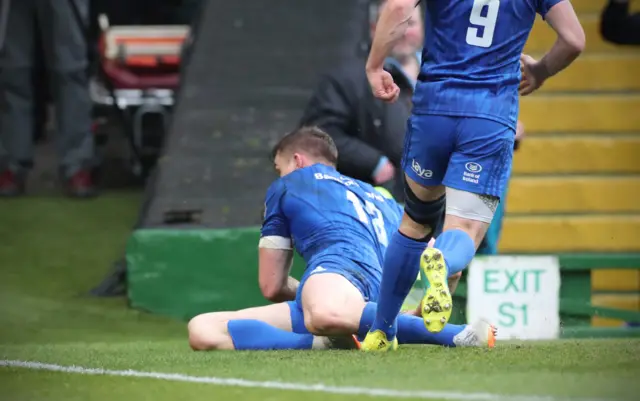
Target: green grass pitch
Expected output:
[52,250]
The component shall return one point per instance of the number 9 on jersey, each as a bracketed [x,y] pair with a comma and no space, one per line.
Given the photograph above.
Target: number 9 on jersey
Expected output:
[483,36]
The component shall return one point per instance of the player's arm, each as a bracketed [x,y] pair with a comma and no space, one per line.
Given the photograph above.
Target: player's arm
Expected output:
[570,43]
[391,26]
[275,253]
[571,39]
[275,265]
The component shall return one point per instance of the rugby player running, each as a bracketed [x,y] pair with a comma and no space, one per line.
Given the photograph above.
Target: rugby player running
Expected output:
[459,140]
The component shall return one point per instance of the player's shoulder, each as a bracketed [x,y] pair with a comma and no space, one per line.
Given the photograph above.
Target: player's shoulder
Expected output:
[276,190]
[298,178]
[318,174]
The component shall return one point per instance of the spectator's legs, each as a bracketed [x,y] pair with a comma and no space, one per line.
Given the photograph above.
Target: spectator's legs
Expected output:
[67,61]
[16,100]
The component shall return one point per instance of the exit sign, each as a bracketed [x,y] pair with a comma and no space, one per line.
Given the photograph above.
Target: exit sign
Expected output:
[518,294]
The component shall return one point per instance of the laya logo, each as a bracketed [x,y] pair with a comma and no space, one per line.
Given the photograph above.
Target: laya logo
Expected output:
[423,173]
[473,167]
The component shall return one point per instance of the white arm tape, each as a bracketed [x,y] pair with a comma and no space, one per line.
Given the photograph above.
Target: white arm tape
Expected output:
[275,242]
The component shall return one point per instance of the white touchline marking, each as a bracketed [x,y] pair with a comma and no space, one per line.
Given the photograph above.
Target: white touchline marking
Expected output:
[317,388]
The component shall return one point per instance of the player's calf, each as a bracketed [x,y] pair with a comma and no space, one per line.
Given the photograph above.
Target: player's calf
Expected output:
[424,211]
[261,328]
[468,217]
[209,332]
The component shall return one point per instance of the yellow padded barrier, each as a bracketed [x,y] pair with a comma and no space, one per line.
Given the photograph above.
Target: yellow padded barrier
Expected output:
[542,37]
[574,195]
[602,233]
[581,113]
[618,301]
[597,321]
[541,154]
[598,73]
[615,280]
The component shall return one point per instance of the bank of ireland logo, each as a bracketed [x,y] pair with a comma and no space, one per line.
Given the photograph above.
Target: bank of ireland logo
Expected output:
[473,167]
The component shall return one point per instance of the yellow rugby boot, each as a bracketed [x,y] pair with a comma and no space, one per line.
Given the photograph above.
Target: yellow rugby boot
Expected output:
[376,341]
[436,304]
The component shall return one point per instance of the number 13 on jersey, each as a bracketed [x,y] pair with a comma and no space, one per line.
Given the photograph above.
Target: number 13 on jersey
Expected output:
[483,36]
[376,216]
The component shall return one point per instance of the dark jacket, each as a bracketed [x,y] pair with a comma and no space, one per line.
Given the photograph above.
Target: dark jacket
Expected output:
[364,128]
[618,26]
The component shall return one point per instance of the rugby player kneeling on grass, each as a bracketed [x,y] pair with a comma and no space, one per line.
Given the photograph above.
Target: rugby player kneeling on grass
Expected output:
[340,226]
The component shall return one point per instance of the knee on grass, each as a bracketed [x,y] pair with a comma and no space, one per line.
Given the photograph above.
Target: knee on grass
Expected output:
[209,332]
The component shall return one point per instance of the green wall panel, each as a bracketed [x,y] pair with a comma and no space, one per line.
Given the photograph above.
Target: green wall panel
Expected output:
[184,273]
[181,273]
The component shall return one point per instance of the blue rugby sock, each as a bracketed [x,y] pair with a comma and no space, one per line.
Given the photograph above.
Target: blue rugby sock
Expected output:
[367,318]
[411,329]
[400,270]
[297,318]
[458,249]
[257,335]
